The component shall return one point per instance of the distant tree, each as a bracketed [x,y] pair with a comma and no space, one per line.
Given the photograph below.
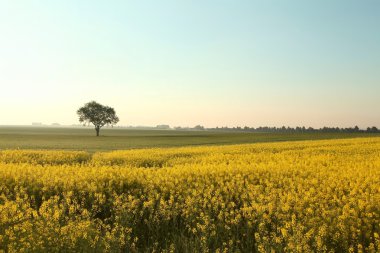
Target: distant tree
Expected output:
[97,114]
[372,130]
[199,127]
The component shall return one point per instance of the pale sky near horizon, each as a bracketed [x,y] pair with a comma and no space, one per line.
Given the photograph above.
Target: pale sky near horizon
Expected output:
[209,62]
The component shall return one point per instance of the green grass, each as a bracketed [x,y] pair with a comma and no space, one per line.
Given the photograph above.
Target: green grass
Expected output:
[113,139]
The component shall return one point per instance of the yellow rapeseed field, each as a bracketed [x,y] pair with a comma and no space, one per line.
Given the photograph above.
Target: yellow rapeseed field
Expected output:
[309,196]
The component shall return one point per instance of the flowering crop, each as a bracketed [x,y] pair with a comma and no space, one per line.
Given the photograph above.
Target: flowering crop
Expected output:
[309,196]
[43,156]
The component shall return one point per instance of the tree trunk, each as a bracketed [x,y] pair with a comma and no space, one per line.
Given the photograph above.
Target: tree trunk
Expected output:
[97,129]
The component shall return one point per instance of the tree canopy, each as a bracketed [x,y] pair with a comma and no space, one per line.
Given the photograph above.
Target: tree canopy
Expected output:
[97,114]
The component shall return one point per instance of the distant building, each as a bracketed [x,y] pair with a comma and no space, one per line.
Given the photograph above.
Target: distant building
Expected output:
[55,124]
[36,124]
[164,127]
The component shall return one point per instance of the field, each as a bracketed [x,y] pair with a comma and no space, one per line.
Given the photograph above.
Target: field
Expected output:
[117,139]
[300,196]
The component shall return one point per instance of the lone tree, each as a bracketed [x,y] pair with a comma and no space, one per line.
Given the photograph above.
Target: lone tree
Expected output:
[97,114]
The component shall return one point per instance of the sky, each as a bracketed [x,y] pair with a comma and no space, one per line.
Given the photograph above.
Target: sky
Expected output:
[183,63]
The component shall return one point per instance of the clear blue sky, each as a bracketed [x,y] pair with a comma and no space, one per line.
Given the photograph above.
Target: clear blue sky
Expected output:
[215,63]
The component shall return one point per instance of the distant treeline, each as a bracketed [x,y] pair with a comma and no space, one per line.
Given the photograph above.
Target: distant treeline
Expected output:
[303,129]
[266,129]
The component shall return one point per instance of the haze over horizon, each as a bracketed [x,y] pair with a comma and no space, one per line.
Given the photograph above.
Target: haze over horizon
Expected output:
[213,63]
